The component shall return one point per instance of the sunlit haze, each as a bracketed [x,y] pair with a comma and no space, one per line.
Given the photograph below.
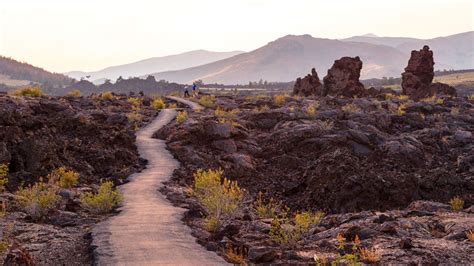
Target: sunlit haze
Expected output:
[90,35]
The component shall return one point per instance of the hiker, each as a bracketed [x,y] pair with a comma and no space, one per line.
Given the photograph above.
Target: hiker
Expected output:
[194,89]
[186,92]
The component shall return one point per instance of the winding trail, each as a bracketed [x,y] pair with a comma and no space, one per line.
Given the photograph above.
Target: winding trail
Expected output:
[149,230]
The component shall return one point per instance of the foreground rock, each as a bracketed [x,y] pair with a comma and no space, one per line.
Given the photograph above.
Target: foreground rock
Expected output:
[343,78]
[418,75]
[92,136]
[309,85]
[352,158]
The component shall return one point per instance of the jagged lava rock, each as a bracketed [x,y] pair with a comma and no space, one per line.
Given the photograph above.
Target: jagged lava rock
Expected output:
[309,85]
[418,75]
[343,78]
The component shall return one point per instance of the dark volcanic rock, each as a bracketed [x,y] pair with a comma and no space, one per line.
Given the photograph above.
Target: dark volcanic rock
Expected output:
[418,75]
[92,137]
[343,78]
[309,85]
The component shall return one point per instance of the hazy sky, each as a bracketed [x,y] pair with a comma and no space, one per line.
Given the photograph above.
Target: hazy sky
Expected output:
[63,35]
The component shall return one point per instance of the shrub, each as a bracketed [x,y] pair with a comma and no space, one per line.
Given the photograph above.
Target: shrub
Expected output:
[400,110]
[311,110]
[6,235]
[37,200]
[399,97]
[74,93]
[369,255]
[108,95]
[269,209]
[304,220]
[30,91]
[261,108]
[3,176]
[135,102]
[104,201]
[470,235]
[235,255]
[218,195]
[433,100]
[181,117]
[134,116]
[158,103]
[173,106]
[457,203]
[282,232]
[63,178]
[470,97]
[208,101]
[279,99]
[226,116]
[351,108]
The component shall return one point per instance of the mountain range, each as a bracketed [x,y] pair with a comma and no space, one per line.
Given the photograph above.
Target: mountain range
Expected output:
[292,56]
[151,65]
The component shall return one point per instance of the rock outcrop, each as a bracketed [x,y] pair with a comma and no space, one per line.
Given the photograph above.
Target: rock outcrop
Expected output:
[418,75]
[343,78]
[309,85]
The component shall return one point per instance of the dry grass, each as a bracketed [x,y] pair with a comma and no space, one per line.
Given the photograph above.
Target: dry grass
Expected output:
[235,255]
[74,93]
[181,117]
[280,99]
[369,255]
[470,235]
[456,78]
[351,108]
[433,100]
[456,203]
[29,91]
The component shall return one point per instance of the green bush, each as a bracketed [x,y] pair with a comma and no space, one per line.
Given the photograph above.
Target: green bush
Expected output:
[37,200]
[30,91]
[218,195]
[106,199]
[63,177]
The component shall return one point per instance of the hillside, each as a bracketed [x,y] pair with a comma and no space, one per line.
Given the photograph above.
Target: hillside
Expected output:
[290,57]
[462,57]
[293,56]
[14,73]
[152,65]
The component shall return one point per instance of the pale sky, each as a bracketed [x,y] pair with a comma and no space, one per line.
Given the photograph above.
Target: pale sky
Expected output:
[63,35]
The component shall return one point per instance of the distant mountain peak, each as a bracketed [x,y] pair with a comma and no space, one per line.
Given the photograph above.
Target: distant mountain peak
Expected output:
[370,35]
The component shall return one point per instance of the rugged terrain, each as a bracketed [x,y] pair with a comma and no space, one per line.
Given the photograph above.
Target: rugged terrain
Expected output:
[94,136]
[384,168]
[351,155]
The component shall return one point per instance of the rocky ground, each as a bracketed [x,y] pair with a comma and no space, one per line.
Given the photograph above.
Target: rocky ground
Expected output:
[93,136]
[383,167]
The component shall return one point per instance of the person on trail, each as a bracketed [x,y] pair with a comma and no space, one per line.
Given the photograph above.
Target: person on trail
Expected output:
[186,92]
[194,89]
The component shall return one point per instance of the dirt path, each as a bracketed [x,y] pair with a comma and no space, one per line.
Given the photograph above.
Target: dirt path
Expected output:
[149,230]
